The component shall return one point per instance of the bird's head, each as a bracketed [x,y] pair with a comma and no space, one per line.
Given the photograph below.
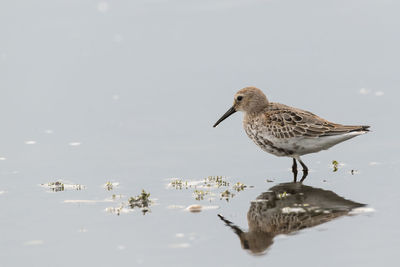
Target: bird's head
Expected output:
[249,100]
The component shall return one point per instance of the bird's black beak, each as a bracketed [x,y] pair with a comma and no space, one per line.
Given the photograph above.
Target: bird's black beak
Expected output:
[226,115]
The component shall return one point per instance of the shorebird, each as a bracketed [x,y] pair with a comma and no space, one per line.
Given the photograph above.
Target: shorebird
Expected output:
[286,131]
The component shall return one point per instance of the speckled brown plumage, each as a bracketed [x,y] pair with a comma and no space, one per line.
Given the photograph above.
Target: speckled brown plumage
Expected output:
[282,121]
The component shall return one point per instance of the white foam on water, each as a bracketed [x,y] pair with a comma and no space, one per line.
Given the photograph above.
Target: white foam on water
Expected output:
[74,143]
[118,38]
[175,207]
[374,163]
[179,245]
[121,247]
[86,201]
[34,243]
[103,7]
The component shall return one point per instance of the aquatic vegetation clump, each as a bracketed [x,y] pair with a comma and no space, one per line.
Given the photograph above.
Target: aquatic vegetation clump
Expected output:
[56,186]
[239,187]
[227,195]
[335,165]
[180,184]
[217,181]
[59,186]
[108,186]
[200,194]
[205,189]
[141,201]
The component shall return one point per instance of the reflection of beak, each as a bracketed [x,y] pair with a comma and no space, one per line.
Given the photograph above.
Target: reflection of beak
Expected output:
[226,115]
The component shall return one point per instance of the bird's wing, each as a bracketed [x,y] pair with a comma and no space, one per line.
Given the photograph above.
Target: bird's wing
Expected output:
[286,122]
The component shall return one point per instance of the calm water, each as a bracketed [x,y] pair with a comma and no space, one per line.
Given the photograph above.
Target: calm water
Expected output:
[127,92]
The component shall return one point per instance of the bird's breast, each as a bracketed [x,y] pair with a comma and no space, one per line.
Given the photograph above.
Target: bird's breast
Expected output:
[264,138]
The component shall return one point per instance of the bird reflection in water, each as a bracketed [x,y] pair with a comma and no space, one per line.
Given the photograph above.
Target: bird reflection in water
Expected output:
[285,209]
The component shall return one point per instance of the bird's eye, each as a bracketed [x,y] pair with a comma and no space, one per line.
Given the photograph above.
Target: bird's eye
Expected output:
[239,98]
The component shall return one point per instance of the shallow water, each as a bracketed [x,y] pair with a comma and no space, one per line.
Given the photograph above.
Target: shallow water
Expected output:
[127,92]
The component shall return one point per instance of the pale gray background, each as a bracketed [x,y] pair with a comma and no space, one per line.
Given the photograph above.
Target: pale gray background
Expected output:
[140,83]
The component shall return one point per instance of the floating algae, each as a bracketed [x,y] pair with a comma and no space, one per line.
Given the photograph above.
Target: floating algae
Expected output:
[208,187]
[335,165]
[59,186]
[110,185]
[142,202]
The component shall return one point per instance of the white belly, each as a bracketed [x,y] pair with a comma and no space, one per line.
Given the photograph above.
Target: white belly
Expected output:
[295,146]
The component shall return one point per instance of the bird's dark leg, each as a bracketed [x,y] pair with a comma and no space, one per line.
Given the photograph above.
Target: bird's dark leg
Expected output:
[294,170]
[305,170]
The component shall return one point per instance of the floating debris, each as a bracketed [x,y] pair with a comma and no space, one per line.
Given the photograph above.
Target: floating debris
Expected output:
[180,184]
[117,210]
[270,181]
[110,186]
[141,201]
[239,187]
[204,188]
[60,186]
[353,172]
[227,195]
[114,197]
[194,208]
[185,184]
[217,181]
[335,165]
[197,208]
[200,194]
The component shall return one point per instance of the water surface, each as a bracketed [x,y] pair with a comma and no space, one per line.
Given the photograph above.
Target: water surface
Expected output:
[127,92]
